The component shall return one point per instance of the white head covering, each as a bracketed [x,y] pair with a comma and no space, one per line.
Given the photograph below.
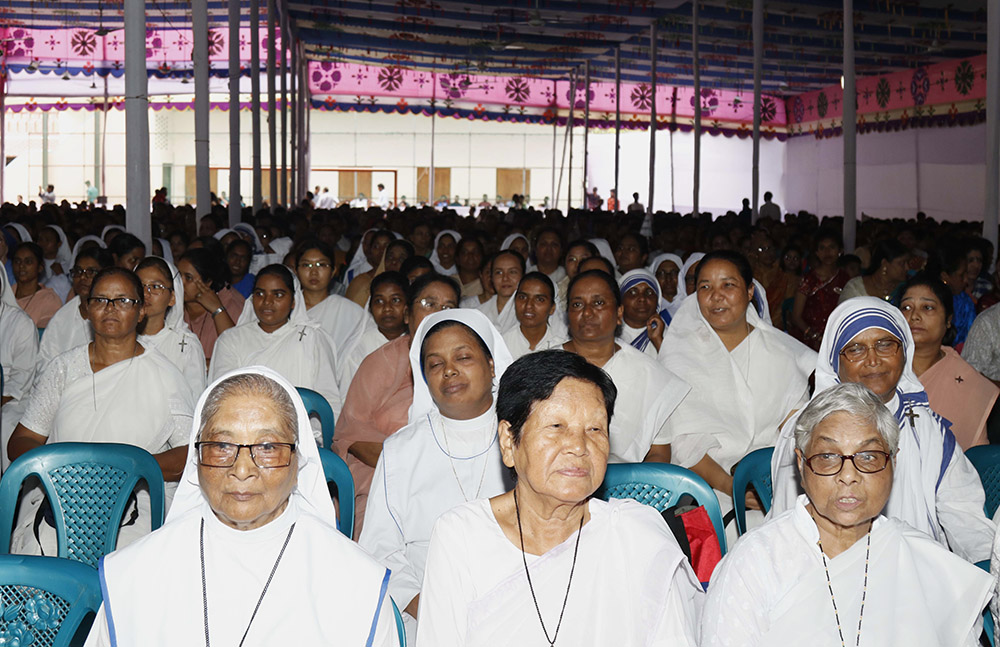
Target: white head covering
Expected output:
[168,254]
[853,317]
[300,314]
[281,246]
[477,321]
[226,230]
[175,315]
[97,239]
[104,232]
[435,261]
[7,296]
[359,263]
[509,240]
[246,228]
[681,285]
[21,230]
[605,250]
[64,256]
[639,275]
[310,492]
[654,266]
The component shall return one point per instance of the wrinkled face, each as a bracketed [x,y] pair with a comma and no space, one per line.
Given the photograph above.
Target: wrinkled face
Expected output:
[533,304]
[827,252]
[446,250]
[520,245]
[723,296]
[506,275]
[925,314]
[238,260]
[245,496]
[458,373]
[83,273]
[974,263]
[548,248]
[666,275]
[640,303]
[314,270]
[26,266]
[110,321]
[592,313]
[574,257]
[629,254]
[433,298]
[880,374]
[469,256]
[388,306]
[272,302]
[159,291]
[850,498]
[562,452]
[129,260]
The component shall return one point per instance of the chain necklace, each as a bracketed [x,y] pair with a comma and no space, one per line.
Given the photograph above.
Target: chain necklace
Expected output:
[204,586]
[451,462]
[576,549]
[864,589]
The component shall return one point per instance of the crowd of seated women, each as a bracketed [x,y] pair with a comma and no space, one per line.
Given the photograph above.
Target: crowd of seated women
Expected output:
[483,372]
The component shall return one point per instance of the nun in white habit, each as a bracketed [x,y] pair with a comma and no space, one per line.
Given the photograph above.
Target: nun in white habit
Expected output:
[670,305]
[268,569]
[639,337]
[739,396]
[686,268]
[18,352]
[172,337]
[88,238]
[277,332]
[447,455]
[935,488]
[436,258]
[506,271]
[64,256]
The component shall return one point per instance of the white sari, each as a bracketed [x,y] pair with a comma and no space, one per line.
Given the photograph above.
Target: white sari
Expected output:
[18,353]
[505,319]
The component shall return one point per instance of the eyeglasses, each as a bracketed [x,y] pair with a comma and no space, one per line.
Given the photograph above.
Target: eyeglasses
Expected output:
[266,455]
[323,265]
[431,304]
[121,303]
[831,464]
[156,288]
[883,348]
[78,272]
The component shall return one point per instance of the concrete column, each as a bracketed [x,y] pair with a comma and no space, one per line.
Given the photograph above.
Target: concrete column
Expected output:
[137,198]
[235,212]
[258,197]
[272,117]
[202,174]
[652,119]
[850,130]
[758,70]
[696,181]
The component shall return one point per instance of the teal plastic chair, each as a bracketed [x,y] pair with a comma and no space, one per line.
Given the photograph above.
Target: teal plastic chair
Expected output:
[317,405]
[986,460]
[337,472]
[40,331]
[661,485]
[755,470]
[988,624]
[400,630]
[47,601]
[88,486]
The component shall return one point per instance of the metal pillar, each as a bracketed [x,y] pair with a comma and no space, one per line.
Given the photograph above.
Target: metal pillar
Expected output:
[992,125]
[758,70]
[586,129]
[652,118]
[284,114]
[258,197]
[569,129]
[618,121]
[850,132]
[430,180]
[199,27]
[272,134]
[136,124]
[696,180]
[295,190]
[235,212]
[45,149]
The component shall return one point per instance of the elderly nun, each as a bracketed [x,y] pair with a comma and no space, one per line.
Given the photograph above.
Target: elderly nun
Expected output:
[831,570]
[250,552]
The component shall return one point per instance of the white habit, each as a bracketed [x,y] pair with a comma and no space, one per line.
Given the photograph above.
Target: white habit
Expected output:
[518,345]
[66,329]
[18,357]
[505,319]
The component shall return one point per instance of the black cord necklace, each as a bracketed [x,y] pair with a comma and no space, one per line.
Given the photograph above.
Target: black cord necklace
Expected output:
[204,587]
[520,533]
[864,590]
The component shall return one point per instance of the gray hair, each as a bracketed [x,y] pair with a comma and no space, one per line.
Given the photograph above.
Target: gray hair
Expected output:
[854,399]
[250,384]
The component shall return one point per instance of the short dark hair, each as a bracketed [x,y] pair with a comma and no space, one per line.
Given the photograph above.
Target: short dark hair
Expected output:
[209,266]
[128,275]
[99,254]
[542,278]
[421,282]
[319,246]
[508,252]
[730,256]
[609,267]
[943,294]
[124,243]
[401,242]
[886,250]
[586,244]
[534,377]
[608,279]
[641,240]
[279,270]
[444,325]
[36,250]
[160,265]
[415,262]
[828,234]
[394,278]
[239,242]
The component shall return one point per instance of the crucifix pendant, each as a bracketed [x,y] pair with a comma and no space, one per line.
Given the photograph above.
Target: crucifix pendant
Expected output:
[910,415]
[302,333]
[183,344]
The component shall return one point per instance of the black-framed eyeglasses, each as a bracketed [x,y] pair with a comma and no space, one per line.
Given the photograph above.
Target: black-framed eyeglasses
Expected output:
[868,462]
[883,348]
[121,303]
[266,455]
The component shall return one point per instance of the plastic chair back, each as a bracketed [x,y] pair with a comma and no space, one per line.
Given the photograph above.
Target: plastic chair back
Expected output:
[755,470]
[400,629]
[317,405]
[986,460]
[337,472]
[88,486]
[47,601]
[661,485]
